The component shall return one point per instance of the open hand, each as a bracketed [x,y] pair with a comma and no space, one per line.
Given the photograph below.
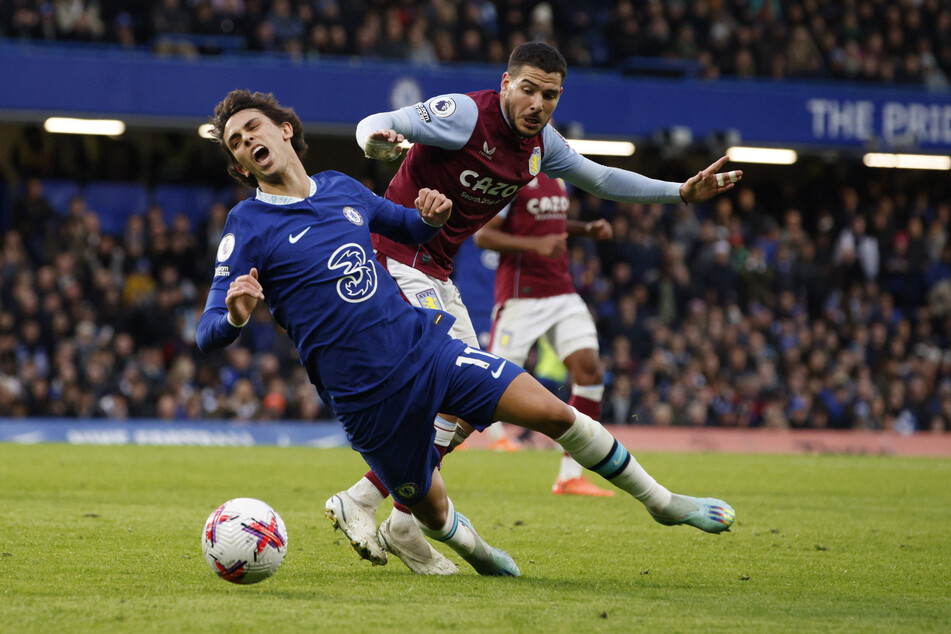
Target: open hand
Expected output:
[708,183]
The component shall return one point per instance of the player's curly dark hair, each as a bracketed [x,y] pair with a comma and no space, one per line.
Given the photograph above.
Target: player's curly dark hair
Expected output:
[238,100]
[540,55]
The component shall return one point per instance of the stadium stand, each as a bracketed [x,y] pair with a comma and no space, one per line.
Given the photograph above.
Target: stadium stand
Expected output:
[819,301]
[862,40]
[115,202]
[716,315]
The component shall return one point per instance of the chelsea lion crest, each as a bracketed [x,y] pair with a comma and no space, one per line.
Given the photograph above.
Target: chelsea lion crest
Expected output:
[535,162]
[408,491]
[353,215]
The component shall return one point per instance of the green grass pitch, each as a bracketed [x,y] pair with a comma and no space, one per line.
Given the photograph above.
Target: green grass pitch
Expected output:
[104,539]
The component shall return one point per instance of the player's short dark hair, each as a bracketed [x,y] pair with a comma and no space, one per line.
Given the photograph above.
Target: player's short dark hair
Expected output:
[541,56]
[238,100]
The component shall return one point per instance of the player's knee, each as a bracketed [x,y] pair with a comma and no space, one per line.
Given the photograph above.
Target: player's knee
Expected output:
[591,375]
[585,368]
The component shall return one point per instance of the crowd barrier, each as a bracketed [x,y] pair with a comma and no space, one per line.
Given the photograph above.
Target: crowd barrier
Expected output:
[331,434]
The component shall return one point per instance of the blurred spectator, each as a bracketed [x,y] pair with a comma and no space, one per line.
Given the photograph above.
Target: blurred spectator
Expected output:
[770,307]
[906,43]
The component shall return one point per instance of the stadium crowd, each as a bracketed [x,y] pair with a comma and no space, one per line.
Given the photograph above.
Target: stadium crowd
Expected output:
[104,326]
[817,314]
[904,42]
[826,304]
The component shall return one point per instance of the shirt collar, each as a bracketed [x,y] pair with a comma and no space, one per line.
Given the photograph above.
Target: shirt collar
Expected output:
[274,199]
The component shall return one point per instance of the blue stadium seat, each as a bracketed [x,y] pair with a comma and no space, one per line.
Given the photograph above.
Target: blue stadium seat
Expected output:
[115,202]
[224,43]
[192,200]
[59,192]
[6,207]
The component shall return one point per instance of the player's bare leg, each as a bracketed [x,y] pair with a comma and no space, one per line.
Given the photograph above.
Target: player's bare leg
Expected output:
[587,389]
[438,519]
[527,403]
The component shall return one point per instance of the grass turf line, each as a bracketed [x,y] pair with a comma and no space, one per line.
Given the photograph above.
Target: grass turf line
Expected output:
[108,539]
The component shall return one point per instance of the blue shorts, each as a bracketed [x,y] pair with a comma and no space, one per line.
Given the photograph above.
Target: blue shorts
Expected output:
[395,436]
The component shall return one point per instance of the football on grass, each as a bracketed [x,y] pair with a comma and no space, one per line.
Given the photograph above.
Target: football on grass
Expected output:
[244,541]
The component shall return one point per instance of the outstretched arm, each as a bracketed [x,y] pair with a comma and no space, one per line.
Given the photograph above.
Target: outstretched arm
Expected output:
[562,161]
[445,121]
[599,229]
[492,236]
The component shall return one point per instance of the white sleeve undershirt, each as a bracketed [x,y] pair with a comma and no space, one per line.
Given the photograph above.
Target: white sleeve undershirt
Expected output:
[445,121]
[562,161]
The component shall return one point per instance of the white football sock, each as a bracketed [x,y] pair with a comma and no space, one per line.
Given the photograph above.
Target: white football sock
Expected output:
[457,535]
[595,448]
[400,519]
[569,468]
[365,492]
[444,431]
[591,392]
[496,431]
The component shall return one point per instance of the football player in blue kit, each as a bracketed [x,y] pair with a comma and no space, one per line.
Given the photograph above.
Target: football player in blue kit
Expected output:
[302,245]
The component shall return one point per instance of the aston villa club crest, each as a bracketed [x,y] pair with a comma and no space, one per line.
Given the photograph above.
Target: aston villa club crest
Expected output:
[535,162]
[428,299]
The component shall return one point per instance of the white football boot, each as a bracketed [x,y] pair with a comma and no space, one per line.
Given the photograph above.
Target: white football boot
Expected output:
[358,523]
[407,542]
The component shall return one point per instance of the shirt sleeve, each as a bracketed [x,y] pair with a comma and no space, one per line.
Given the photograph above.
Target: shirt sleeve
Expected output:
[562,161]
[236,255]
[446,121]
[396,222]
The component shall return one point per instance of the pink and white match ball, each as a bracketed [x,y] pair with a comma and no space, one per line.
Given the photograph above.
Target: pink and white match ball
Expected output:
[244,541]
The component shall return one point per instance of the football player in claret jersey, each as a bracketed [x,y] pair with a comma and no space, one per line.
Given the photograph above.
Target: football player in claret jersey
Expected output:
[302,245]
[535,299]
[479,149]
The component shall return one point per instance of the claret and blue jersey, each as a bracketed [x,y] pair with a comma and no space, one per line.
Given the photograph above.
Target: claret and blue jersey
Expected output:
[323,285]
[465,148]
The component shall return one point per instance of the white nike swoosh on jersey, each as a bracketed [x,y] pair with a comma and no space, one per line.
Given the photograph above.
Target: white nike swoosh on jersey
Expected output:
[300,235]
[498,372]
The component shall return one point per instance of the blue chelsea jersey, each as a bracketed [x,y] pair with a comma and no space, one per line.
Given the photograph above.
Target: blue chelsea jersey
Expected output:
[358,339]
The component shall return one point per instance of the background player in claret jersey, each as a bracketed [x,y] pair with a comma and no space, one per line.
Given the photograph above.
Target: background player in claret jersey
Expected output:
[535,298]
[302,244]
[478,149]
